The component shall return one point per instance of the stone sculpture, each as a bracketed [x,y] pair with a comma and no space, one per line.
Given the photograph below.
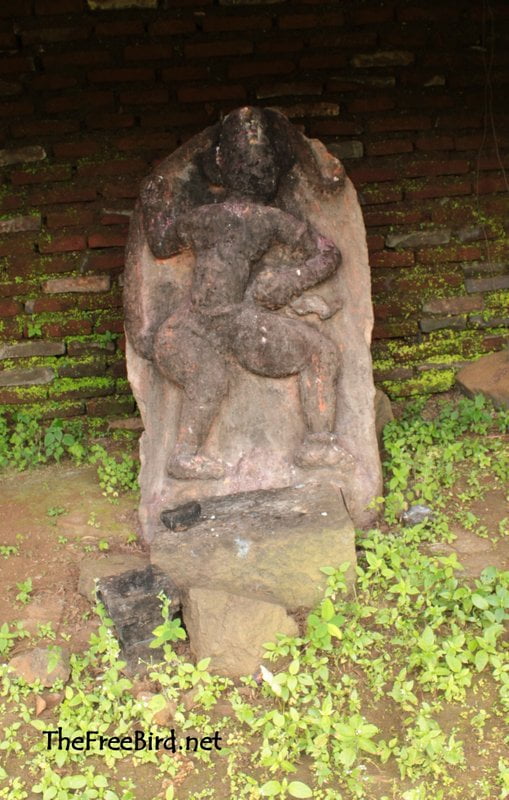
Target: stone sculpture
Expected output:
[236,237]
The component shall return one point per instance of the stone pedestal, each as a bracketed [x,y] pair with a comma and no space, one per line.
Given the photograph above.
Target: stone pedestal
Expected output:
[269,545]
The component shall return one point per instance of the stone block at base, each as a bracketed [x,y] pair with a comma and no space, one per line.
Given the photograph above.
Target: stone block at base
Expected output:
[489,376]
[269,544]
[232,630]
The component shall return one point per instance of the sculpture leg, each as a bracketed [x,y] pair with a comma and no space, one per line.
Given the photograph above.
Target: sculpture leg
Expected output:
[275,346]
[184,357]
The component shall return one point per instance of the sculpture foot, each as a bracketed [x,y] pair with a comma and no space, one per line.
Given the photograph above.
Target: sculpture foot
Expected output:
[187,466]
[322,450]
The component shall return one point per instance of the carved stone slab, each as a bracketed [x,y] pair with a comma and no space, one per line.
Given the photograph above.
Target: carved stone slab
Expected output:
[248,321]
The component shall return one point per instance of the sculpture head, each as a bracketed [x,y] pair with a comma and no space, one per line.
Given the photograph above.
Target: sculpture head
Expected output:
[252,154]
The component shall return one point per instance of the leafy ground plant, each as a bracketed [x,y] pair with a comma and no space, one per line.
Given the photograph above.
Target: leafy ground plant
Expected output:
[396,691]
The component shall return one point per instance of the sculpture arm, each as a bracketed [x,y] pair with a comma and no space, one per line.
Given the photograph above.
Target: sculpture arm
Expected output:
[160,217]
[316,259]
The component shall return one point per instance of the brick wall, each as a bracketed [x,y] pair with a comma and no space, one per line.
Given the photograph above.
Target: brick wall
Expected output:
[408,95]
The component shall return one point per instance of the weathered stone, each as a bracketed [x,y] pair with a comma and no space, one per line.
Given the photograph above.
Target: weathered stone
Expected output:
[29,222]
[418,238]
[481,269]
[267,544]
[470,233]
[489,375]
[9,89]
[487,284]
[384,58]
[298,110]
[92,569]
[21,155]
[448,365]
[489,321]
[80,347]
[85,283]
[126,424]
[44,664]
[341,150]
[114,5]
[454,305]
[33,348]
[232,630]
[132,601]
[237,392]
[383,413]
[437,323]
[26,377]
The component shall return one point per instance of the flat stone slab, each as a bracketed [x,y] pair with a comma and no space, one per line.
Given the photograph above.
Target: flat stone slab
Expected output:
[232,630]
[489,375]
[269,544]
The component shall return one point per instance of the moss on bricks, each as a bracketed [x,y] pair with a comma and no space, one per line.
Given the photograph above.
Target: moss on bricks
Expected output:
[429,382]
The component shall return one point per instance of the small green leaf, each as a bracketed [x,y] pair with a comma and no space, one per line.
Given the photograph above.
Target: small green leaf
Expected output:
[270,789]
[481,659]
[480,602]
[299,789]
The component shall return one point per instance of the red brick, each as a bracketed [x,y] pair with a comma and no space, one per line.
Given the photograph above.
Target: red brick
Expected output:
[129,27]
[185,73]
[198,94]
[425,13]
[212,49]
[121,75]
[170,27]
[110,121]
[344,39]
[15,289]
[371,104]
[53,82]
[148,52]
[173,117]
[458,214]
[471,142]
[44,127]
[82,101]
[375,242]
[11,202]
[87,302]
[10,397]
[289,89]
[246,69]
[84,58]
[71,327]
[279,45]
[113,260]
[329,61]
[492,162]
[81,149]
[111,325]
[388,147]
[18,245]
[77,215]
[17,108]
[392,259]
[434,143]
[409,216]
[10,308]
[491,183]
[394,330]
[386,310]
[63,243]
[7,41]
[147,141]
[58,172]
[15,8]
[458,121]
[432,256]
[386,194]
[414,169]
[333,127]
[405,122]
[50,7]
[215,24]
[366,174]
[108,238]
[18,64]
[296,21]
[373,15]
[440,189]
[52,304]
[113,218]
[113,167]
[143,97]
[53,35]
[62,194]
[118,190]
